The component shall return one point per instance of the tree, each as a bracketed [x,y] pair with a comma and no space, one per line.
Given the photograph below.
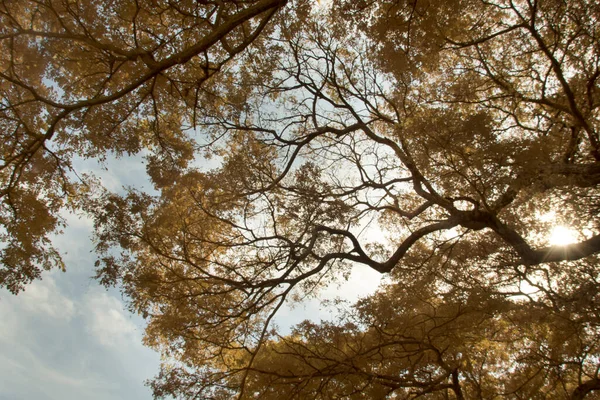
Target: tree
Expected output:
[434,143]
[84,78]
[412,342]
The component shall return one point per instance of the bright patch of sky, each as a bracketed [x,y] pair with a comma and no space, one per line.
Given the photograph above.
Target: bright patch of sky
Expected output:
[361,282]
[323,4]
[562,235]
[559,234]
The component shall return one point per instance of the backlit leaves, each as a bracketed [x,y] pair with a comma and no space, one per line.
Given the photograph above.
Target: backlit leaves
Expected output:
[426,140]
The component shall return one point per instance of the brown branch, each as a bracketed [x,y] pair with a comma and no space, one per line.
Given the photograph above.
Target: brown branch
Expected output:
[412,239]
[585,388]
[460,45]
[575,111]
[478,220]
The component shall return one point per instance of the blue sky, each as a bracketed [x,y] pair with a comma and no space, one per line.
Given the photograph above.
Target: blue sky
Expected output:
[66,337]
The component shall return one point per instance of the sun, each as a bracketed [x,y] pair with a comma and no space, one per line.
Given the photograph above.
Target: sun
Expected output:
[561,235]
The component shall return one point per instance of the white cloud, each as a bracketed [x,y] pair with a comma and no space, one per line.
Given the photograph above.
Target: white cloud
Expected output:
[55,347]
[44,297]
[37,343]
[107,321]
[23,363]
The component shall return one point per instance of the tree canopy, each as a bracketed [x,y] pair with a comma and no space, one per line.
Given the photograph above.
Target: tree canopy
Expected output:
[438,143]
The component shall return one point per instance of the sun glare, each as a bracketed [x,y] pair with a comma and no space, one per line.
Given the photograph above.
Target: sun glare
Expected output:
[562,235]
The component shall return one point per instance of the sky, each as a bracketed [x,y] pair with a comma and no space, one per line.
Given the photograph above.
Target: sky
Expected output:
[67,337]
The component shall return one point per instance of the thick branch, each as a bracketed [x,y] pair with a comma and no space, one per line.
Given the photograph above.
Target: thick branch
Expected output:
[481,219]
[585,388]
[412,239]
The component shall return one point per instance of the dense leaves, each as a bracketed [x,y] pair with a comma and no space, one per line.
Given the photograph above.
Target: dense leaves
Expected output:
[438,143]
[84,78]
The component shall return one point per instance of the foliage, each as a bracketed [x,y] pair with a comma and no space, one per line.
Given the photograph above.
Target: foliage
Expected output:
[83,78]
[429,141]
